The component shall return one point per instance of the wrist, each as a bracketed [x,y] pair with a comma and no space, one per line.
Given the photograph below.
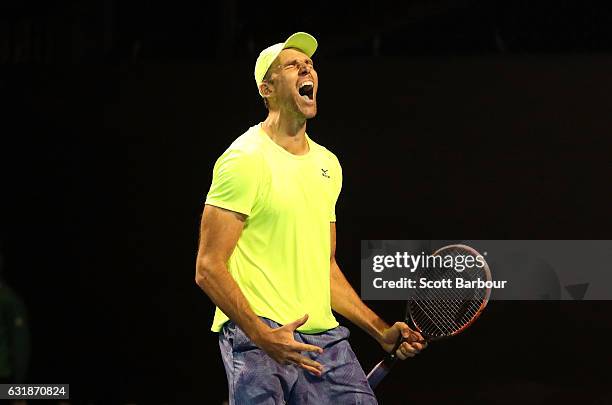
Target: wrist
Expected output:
[259,332]
[378,327]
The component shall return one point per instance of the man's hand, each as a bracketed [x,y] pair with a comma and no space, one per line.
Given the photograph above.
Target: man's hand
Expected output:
[281,346]
[412,345]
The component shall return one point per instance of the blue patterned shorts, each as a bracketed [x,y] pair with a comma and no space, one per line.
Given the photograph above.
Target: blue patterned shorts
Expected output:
[254,378]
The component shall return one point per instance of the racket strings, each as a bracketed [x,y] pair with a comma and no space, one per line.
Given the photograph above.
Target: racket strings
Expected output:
[433,322]
[444,311]
[442,318]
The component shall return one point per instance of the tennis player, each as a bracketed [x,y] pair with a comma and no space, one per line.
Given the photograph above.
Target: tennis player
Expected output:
[267,247]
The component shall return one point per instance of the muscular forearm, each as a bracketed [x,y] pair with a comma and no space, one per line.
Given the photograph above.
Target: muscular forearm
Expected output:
[347,303]
[216,281]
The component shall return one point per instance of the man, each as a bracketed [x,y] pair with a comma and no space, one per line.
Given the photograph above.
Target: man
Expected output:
[267,253]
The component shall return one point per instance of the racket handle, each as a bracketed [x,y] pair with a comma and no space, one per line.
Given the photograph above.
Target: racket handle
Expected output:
[381,370]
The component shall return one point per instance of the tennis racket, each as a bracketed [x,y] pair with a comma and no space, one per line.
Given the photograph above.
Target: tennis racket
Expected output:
[438,312]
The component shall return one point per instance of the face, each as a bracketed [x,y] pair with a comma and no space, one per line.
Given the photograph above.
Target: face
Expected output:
[294,83]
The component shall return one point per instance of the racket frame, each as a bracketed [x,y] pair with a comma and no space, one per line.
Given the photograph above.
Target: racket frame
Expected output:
[485,301]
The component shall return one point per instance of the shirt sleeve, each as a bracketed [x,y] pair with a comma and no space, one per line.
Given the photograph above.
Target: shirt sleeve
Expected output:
[235,181]
[337,179]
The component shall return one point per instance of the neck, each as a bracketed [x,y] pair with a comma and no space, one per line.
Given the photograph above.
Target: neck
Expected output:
[287,131]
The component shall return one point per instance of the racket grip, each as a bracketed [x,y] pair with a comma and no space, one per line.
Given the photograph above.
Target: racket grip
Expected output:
[379,372]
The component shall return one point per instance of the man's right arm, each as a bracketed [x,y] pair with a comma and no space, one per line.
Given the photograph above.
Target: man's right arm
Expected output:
[219,233]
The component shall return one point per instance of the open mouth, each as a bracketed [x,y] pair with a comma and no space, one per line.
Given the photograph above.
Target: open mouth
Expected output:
[306,90]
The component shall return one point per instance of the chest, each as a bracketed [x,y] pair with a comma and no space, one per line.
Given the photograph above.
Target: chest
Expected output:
[298,187]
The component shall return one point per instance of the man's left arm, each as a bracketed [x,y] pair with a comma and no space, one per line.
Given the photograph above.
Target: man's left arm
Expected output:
[347,303]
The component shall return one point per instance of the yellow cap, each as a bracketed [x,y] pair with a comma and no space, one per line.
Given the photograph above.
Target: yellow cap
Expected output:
[300,40]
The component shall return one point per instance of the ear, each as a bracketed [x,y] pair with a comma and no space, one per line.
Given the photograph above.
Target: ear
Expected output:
[266,89]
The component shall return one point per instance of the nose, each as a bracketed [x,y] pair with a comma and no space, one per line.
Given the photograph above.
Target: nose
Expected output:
[304,68]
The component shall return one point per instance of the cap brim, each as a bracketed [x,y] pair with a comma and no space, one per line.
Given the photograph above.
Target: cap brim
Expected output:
[302,41]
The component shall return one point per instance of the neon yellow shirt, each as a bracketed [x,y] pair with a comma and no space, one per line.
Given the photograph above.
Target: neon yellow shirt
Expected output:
[282,259]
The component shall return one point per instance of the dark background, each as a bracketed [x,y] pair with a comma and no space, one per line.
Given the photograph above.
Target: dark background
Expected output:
[452,120]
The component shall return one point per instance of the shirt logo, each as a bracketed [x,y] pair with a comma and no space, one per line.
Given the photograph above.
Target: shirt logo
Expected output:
[324,173]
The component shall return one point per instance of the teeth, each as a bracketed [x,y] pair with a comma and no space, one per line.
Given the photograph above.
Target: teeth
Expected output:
[308,83]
